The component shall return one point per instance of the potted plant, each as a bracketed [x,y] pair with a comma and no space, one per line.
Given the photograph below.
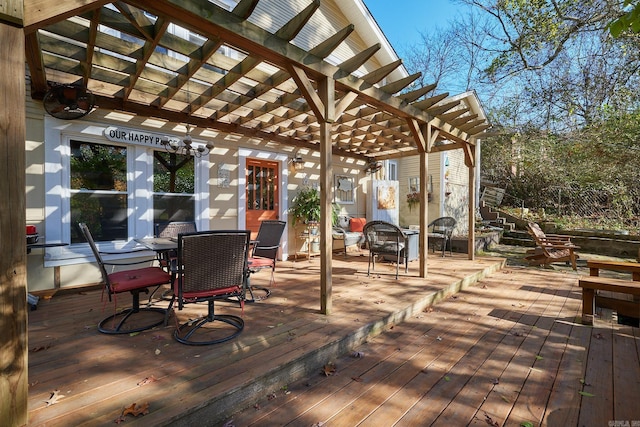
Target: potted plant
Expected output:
[305,208]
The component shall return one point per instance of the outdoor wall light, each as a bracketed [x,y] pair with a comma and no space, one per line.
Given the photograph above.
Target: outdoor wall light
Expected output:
[297,161]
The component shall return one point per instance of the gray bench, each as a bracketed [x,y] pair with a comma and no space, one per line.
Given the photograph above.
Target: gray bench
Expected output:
[342,233]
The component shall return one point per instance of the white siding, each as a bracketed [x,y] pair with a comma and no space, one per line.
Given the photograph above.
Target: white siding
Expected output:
[408,167]
[325,22]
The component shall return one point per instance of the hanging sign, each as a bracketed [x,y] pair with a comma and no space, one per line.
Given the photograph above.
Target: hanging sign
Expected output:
[132,136]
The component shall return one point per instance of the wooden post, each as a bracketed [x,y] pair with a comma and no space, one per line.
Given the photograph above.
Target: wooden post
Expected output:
[323,105]
[472,206]
[13,279]
[424,213]
[326,91]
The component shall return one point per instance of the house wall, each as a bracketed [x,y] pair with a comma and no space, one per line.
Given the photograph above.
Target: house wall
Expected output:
[74,264]
[456,190]
[325,22]
[450,195]
[409,168]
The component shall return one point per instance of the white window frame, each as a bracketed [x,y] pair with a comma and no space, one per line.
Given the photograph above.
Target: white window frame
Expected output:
[391,170]
[58,134]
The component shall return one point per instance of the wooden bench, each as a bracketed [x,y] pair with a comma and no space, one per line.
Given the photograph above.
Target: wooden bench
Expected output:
[595,283]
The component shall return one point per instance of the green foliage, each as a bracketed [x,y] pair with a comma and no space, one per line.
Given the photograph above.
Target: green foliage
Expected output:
[590,173]
[630,20]
[173,173]
[305,207]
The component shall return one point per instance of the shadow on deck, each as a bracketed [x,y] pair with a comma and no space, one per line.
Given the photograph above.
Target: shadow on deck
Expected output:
[286,340]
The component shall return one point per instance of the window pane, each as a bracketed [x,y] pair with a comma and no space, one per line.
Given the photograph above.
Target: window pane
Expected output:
[98,166]
[104,214]
[250,188]
[173,207]
[98,190]
[173,173]
[173,186]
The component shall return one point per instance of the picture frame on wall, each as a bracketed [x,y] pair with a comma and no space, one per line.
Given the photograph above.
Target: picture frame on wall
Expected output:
[344,189]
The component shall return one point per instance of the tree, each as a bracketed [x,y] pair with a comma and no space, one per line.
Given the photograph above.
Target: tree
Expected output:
[629,20]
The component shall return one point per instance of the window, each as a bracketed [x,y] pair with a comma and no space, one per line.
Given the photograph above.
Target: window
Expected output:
[98,193]
[119,182]
[261,185]
[173,187]
[392,170]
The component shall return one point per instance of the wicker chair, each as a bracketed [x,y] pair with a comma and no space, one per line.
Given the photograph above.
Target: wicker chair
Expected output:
[265,251]
[384,238]
[171,230]
[134,319]
[212,265]
[441,230]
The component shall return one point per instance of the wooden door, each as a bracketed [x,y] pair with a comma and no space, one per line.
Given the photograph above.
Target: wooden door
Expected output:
[263,193]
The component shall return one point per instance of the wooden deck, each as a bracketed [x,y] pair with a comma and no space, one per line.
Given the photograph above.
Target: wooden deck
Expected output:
[501,351]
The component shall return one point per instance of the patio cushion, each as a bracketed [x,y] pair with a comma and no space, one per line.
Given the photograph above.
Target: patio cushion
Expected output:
[356,224]
[125,281]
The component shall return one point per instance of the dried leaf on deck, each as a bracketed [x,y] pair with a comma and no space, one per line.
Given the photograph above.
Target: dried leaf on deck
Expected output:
[53,399]
[329,369]
[147,380]
[40,348]
[357,354]
[357,379]
[135,409]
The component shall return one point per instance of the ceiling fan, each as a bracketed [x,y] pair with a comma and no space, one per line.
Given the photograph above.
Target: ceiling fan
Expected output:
[373,166]
[68,102]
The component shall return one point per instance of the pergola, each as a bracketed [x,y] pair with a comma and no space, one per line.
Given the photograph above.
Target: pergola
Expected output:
[271,88]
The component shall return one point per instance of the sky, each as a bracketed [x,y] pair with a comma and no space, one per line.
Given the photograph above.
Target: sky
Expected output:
[402,21]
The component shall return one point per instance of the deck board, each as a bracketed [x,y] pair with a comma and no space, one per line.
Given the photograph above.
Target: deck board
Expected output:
[508,349]
[519,354]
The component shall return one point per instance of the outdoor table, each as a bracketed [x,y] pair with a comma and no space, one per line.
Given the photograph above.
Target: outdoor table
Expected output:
[165,244]
[159,244]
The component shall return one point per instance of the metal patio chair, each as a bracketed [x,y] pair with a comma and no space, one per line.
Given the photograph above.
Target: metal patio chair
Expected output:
[265,250]
[134,281]
[441,230]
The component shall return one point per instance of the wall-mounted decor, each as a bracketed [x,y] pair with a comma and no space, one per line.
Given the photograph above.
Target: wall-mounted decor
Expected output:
[224,176]
[386,196]
[344,189]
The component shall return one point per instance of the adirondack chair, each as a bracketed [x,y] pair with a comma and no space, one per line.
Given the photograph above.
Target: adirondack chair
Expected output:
[551,248]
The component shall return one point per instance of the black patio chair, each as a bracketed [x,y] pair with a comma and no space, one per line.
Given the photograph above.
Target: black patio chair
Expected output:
[440,230]
[134,281]
[384,238]
[171,230]
[265,250]
[212,265]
